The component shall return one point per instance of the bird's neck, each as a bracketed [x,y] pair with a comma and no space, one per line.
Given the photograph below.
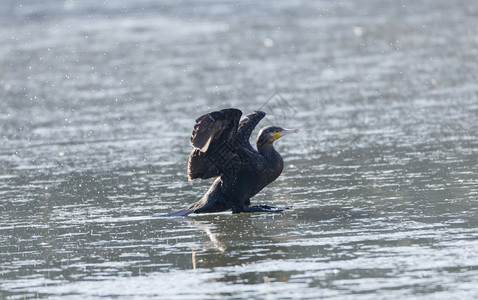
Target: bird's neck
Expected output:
[269,152]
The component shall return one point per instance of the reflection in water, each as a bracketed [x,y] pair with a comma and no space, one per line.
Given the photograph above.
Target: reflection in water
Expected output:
[97,105]
[212,236]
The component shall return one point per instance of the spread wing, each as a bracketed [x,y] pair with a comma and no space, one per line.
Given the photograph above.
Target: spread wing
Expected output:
[246,127]
[215,149]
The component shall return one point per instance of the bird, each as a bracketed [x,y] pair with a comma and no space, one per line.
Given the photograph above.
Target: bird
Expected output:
[221,150]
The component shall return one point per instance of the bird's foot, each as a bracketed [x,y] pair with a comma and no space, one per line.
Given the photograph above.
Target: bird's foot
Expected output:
[264,208]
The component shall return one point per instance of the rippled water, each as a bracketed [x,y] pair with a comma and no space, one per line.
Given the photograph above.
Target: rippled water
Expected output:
[97,102]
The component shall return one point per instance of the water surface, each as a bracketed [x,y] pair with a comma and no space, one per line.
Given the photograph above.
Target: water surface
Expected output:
[97,102]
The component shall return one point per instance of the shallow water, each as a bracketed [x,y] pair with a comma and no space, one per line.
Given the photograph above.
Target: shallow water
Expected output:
[98,100]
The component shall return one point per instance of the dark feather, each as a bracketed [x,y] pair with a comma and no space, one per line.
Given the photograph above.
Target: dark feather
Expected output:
[214,143]
[210,126]
[246,126]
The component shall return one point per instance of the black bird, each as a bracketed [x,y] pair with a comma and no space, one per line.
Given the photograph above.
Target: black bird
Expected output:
[222,151]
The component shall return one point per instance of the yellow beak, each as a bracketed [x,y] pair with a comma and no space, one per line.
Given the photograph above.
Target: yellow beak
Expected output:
[281,133]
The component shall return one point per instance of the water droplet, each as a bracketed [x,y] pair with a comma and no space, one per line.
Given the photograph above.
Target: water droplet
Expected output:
[268,42]
[358,31]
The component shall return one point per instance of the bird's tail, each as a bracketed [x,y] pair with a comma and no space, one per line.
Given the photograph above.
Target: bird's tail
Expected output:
[178,213]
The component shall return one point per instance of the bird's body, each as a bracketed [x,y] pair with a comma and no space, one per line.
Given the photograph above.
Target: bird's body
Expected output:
[222,151]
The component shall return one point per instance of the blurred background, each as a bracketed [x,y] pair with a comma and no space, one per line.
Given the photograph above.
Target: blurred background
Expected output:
[98,100]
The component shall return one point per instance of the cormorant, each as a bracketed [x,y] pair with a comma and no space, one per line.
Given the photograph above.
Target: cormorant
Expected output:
[222,151]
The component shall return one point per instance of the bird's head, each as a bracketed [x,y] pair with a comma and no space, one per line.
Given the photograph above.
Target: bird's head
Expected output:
[270,134]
